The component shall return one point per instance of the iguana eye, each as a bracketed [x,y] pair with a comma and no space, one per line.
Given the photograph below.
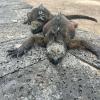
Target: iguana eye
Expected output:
[41,15]
[40,12]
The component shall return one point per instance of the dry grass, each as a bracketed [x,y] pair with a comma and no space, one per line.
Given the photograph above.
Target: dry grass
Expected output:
[86,7]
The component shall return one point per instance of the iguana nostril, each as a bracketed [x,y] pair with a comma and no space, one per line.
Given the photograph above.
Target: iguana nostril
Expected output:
[55,50]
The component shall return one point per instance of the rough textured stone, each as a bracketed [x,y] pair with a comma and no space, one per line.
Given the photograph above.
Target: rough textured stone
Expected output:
[33,77]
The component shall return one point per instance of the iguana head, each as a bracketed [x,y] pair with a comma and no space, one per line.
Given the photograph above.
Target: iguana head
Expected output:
[55,52]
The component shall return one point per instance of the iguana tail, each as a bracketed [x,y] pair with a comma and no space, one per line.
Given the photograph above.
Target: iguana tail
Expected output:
[70,17]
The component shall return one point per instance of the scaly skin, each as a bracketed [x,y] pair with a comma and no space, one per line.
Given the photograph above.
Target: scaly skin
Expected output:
[42,15]
[59,33]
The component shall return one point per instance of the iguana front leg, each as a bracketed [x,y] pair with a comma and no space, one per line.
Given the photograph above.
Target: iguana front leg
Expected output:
[27,45]
[89,46]
[28,20]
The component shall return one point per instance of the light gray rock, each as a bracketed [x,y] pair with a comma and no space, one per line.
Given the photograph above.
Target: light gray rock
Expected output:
[33,77]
